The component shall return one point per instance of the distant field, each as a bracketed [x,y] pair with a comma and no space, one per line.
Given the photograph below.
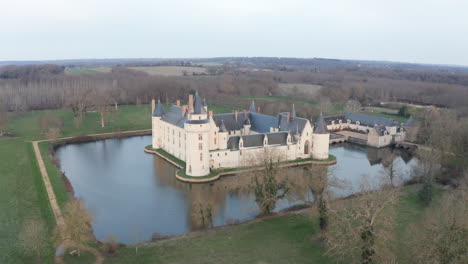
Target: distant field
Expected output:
[302,88]
[384,112]
[170,70]
[87,70]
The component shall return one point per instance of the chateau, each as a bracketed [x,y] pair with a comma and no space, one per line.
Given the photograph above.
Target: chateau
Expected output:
[367,130]
[206,141]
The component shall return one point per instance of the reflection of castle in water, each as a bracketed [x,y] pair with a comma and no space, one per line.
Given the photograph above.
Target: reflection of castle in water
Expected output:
[305,183]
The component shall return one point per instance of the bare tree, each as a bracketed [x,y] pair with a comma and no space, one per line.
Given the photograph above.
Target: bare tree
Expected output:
[3,120]
[50,124]
[360,227]
[77,224]
[443,235]
[33,238]
[267,189]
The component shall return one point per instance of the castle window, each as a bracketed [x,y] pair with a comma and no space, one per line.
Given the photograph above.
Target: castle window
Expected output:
[215,133]
[190,169]
[200,137]
[179,134]
[200,146]
[199,118]
[201,156]
[218,154]
[215,140]
[225,153]
[211,155]
[241,152]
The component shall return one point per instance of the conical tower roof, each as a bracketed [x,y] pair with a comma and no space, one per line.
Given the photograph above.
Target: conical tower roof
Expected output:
[252,107]
[198,105]
[320,126]
[293,112]
[159,110]
[222,127]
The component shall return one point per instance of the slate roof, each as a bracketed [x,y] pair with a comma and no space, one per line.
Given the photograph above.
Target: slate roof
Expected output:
[380,129]
[259,122]
[368,120]
[174,116]
[198,105]
[222,127]
[320,127]
[256,140]
[262,123]
[230,120]
[253,140]
[252,108]
[233,143]
[295,125]
[159,110]
[278,138]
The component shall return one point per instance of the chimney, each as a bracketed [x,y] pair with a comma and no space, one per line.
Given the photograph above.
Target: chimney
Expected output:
[235,114]
[184,110]
[289,117]
[153,105]
[190,103]
[245,113]
[210,113]
[177,102]
[258,109]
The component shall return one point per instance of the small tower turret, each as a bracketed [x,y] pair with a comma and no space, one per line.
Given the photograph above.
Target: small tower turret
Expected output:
[223,136]
[158,112]
[252,108]
[320,139]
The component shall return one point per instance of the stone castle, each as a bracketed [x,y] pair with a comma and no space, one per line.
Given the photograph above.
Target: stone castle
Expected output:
[206,141]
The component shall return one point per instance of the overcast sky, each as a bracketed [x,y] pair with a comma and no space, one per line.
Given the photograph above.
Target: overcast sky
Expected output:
[424,31]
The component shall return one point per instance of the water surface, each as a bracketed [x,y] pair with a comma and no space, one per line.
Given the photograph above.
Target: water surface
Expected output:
[135,195]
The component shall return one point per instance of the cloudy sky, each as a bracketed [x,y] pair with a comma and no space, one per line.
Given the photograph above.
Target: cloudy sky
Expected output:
[425,31]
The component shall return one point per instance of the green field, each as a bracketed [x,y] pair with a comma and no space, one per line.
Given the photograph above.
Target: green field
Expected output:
[384,112]
[87,70]
[288,89]
[170,70]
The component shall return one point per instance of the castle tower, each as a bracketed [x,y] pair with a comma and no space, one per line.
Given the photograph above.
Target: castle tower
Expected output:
[197,128]
[158,112]
[320,139]
[223,136]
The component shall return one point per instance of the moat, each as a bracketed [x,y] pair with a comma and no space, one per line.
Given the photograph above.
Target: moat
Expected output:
[135,196]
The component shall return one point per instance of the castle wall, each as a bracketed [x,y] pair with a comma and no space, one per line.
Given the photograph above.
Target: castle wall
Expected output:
[172,139]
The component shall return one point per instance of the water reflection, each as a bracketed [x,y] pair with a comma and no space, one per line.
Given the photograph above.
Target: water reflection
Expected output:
[135,195]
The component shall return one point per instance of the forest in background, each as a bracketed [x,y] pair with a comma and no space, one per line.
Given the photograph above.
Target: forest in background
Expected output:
[52,86]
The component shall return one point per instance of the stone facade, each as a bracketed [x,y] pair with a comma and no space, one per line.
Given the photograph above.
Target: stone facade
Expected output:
[379,131]
[206,141]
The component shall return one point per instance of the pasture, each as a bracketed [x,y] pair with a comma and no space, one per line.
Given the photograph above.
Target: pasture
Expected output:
[170,70]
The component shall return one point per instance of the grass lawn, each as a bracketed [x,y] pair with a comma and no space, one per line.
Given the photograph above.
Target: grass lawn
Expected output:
[285,239]
[22,197]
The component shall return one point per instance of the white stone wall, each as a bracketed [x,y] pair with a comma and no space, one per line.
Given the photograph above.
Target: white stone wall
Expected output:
[321,146]
[197,160]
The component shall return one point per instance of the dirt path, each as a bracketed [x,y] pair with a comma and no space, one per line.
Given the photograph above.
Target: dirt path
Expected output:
[52,198]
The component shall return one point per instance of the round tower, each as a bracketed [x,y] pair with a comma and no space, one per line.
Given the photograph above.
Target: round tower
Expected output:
[222,136]
[197,128]
[320,140]
[158,112]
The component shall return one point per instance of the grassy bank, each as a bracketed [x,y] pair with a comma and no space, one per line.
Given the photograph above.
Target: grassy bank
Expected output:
[22,198]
